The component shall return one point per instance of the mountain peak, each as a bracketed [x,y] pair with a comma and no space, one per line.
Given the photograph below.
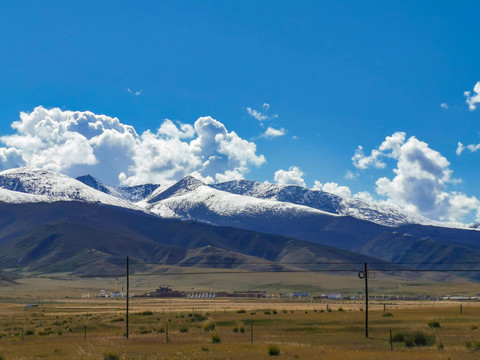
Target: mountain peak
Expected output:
[93,183]
[187,184]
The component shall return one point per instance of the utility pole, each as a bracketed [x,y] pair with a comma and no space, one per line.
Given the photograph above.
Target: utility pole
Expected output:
[366,300]
[128,295]
[364,275]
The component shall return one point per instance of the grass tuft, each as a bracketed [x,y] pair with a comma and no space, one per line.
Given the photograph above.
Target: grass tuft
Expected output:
[273,350]
[216,339]
[110,356]
[434,324]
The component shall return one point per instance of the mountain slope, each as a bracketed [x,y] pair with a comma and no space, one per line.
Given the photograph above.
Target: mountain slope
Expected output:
[90,238]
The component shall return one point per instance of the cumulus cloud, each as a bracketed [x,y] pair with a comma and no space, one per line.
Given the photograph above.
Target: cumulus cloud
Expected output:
[273,133]
[10,158]
[294,176]
[333,188]
[75,143]
[261,115]
[421,179]
[473,99]
[365,196]
[444,106]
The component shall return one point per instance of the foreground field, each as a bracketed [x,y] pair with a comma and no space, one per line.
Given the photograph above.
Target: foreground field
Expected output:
[222,329]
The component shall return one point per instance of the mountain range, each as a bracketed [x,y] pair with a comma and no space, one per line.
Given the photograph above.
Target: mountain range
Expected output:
[50,222]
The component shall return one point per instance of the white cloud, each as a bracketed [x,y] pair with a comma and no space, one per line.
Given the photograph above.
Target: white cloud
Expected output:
[460,148]
[365,196]
[389,148]
[136,93]
[273,133]
[444,106]
[76,143]
[333,188]
[259,115]
[471,148]
[421,179]
[473,100]
[350,175]
[10,158]
[294,176]
[361,161]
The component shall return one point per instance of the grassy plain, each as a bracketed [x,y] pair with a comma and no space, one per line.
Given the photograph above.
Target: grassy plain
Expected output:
[46,318]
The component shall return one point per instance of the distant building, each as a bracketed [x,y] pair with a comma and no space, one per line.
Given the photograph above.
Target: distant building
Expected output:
[166,291]
[116,293]
[299,294]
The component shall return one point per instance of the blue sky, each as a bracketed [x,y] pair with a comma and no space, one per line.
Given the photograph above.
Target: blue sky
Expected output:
[336,75]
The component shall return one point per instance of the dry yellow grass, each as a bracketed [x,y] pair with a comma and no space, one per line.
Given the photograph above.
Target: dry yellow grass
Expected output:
[302,330]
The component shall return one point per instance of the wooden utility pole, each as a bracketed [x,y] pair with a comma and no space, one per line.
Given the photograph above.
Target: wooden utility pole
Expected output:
[364,275]
[128,296]
[366,300]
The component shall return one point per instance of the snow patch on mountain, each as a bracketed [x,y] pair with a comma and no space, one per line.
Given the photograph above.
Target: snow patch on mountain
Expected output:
[15,197]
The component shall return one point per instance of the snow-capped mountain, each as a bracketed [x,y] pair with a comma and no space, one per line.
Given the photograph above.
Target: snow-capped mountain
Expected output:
[190,199]
[27,184]
[128,193]
[40,207]
[317,199]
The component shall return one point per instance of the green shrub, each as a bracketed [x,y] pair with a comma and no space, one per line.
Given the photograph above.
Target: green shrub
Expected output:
[273,350]
[183,330]
[267,312]
[110,356]
[235,329]
[145,331]
[387,315]
[210,326]
[118,319]
[417,338]
[474,327]
[29,332]
[423,339]
[242,329]
[204,348]
[197,317]
[434,324]
[146,313]
[440,346]
[400,337]
[216,339]
[341,310]
[2,358]
[241,311]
